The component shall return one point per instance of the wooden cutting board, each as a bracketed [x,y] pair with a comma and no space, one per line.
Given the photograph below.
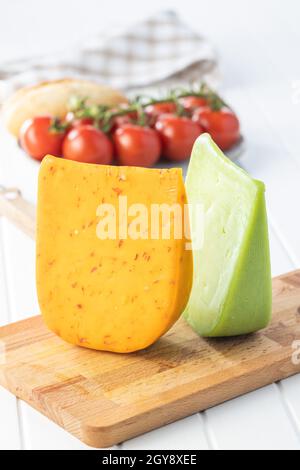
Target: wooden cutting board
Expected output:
[105,398]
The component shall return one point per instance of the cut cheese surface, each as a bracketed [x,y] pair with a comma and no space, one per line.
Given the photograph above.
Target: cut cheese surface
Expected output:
[117,294]
[231,292]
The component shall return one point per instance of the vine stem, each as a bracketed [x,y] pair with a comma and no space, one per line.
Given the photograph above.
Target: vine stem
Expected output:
[104,116]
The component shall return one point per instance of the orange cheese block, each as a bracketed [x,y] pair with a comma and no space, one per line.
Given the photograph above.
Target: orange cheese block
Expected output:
[113,273]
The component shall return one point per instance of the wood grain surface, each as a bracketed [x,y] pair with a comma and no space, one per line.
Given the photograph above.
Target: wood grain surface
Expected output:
[105,398]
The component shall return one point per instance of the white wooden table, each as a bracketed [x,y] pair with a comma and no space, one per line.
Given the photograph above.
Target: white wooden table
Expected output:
[258,42]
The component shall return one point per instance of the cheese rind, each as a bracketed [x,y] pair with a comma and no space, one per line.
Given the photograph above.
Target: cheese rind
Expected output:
[118,294]
[231,293]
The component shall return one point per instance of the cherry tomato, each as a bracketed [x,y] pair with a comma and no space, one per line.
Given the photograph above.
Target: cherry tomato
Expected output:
[222,125]
[119,121]
[153,111]
[190,103]
[38,139]
[178,135]
[136,145]
[76,122]
[89,145]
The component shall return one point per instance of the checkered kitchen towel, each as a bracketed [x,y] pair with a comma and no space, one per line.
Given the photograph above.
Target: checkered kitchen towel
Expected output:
[160,51]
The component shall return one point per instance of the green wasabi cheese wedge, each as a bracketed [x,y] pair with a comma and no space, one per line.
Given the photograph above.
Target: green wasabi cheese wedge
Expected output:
[231,293]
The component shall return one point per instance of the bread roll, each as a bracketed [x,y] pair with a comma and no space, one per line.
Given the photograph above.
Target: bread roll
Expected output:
[52,98]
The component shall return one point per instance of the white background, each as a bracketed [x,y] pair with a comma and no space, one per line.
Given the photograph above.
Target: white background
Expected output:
[258,43]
